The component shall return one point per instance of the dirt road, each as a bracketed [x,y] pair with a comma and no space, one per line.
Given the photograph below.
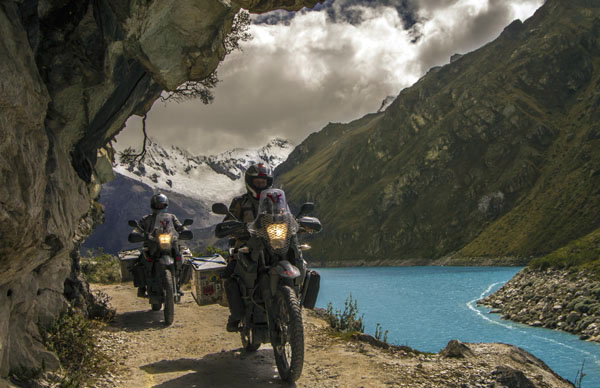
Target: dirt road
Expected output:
[196,351]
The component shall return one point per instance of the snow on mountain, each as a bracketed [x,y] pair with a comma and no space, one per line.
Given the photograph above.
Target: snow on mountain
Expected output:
[214,178]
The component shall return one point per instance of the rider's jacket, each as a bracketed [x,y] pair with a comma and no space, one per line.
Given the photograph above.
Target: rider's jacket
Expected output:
[244,208]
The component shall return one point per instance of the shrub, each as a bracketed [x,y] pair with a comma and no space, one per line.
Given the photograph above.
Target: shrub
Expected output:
[347,321]
[100,267]
[211,250]
[74,339]
[99,307]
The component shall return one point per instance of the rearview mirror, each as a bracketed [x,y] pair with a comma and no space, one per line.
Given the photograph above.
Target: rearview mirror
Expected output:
[220,208]
[306,208]
[310,224]
[188,221]
[132,223]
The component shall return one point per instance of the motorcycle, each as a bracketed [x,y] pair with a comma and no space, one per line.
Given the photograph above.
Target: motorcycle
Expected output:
[156,269]
[272,288]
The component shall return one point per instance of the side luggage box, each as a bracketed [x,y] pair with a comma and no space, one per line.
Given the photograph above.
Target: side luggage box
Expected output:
[127,259]
[312,283]
[207,282]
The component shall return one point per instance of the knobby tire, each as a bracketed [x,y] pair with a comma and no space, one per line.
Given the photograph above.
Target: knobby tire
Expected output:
[169,297]
[289,319]
[248,342]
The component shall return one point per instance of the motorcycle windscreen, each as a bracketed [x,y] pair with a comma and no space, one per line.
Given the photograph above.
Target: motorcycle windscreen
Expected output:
[274,222]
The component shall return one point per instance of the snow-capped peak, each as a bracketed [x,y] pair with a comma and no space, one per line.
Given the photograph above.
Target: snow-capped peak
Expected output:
[234,163]
[214,178]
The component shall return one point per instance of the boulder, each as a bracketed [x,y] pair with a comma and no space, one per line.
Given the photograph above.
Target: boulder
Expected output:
[456,349]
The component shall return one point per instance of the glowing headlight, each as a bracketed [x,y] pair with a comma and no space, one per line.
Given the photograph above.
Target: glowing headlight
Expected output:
[164,240]
[277,234]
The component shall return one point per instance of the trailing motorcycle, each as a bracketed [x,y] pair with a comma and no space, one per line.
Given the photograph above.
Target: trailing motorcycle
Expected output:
[272,277]
[156,268]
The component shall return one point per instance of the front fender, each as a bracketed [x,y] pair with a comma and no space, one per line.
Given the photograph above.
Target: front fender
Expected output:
[286,270]
[166,260]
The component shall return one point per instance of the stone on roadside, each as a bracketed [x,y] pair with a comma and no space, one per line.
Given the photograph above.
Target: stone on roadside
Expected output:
[456,349]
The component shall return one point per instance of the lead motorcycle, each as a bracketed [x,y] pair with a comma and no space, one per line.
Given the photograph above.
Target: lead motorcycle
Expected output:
[272,277]
[156,268]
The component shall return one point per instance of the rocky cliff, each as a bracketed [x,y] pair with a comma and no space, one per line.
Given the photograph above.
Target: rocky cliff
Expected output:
[72,72]
[495,154]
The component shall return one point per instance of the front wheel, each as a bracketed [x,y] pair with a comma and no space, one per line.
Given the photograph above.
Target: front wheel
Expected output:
[169,298]
[288,339]
[248,342]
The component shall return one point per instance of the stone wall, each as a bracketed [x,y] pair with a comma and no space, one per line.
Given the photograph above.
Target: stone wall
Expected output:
[71,73]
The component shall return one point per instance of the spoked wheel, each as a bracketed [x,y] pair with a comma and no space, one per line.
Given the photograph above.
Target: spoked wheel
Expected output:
[169,298]
[156,306]
[248,342]
[288,342]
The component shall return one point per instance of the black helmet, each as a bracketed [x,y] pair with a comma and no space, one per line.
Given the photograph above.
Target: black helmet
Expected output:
[260,170]
[159,201]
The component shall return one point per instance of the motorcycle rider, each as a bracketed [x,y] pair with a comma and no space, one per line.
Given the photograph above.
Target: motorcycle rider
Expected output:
[159,204]
[257,177]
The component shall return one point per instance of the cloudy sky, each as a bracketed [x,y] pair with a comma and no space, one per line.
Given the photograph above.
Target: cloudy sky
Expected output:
[334,63]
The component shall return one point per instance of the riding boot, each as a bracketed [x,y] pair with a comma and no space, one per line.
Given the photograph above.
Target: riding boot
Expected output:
[232,324]
[236,306]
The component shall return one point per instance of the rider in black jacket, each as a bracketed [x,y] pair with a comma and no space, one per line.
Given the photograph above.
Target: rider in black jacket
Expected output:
[159,204]
[258,177]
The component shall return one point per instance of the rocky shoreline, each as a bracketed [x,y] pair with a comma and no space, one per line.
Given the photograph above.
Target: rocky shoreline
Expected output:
[554,299]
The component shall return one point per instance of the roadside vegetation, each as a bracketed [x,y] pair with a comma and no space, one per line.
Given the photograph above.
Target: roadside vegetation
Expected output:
[211,250]
[348,321]
[348,325]
[74,339]
[100,267]
[581,254]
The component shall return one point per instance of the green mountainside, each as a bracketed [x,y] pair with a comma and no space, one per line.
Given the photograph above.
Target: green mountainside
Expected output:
[495,154]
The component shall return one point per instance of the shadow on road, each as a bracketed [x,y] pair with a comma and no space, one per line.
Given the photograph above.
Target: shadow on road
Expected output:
[232,369]
[139,320]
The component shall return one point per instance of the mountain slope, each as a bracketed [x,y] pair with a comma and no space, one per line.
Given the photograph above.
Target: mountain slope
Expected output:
[495,154]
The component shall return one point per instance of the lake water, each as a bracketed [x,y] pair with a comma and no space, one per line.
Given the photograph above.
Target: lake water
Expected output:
[425,307]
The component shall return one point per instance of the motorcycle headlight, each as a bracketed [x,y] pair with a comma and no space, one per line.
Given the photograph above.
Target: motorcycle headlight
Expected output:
[277,235]
[164,241]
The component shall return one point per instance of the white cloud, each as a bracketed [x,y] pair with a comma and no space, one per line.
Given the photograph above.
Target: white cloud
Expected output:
[293,79]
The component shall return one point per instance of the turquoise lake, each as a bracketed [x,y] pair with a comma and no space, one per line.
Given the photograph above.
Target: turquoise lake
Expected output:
[425,307]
